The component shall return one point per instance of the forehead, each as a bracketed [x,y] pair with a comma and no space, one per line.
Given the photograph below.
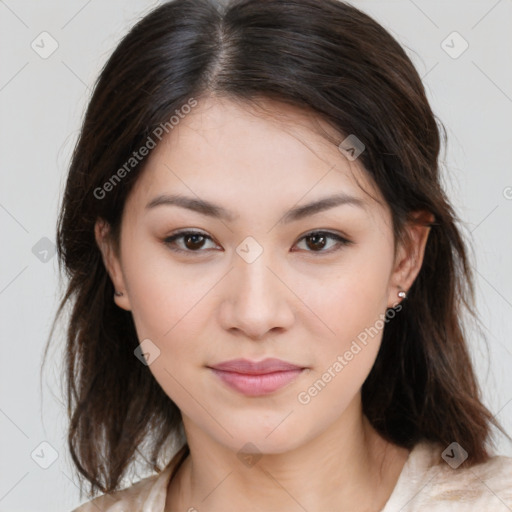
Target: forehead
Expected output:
[241,153]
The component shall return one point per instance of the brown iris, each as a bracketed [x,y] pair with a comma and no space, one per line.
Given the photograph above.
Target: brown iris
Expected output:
[318,241]
[196,241]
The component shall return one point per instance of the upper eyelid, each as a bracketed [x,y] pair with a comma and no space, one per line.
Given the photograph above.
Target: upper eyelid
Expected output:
[203,233]
[328,232]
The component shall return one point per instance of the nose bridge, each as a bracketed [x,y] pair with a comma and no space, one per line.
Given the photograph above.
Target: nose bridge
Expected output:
[254,282]
[251,262]
[257,300]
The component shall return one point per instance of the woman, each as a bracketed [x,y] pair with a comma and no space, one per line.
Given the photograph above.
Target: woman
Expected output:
[266,275]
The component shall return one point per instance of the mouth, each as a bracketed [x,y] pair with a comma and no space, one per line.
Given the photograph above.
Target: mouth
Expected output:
[256,378]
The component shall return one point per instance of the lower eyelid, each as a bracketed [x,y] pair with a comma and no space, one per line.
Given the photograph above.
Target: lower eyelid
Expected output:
[339,239]
[170,240]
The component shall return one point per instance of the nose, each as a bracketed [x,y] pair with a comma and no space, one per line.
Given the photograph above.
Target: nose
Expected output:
[256,300]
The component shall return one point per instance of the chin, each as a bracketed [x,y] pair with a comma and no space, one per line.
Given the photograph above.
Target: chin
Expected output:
[270,436]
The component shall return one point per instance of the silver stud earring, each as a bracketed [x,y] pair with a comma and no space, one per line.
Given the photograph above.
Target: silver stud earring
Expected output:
[402,294]
[118,294]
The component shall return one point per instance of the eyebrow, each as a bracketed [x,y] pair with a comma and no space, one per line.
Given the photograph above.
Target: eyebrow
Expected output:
[218,212]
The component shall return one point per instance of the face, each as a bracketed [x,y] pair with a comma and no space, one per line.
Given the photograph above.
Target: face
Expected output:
[258,276]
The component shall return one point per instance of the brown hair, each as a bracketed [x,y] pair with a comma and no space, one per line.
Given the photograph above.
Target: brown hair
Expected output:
[340,64]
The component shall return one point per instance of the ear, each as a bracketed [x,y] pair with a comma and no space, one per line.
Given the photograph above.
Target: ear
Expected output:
[112,263]
[409,254]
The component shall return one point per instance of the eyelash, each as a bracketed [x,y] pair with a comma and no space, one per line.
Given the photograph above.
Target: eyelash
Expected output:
[341,241]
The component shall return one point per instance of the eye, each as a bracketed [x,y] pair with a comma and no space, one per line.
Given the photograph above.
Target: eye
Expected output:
[317,241]
[193,241]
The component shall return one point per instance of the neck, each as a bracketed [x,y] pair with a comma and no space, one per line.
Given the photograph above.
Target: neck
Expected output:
[347,467]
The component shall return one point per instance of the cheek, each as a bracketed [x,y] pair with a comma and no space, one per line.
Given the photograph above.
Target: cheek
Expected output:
[169,308]
[353,305]
[164,296]
[352,299]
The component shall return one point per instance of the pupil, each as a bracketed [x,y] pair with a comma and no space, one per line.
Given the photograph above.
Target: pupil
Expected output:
[316,237]
[195,244]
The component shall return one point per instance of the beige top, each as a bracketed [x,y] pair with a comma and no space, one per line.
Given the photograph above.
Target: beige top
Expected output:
[426,484]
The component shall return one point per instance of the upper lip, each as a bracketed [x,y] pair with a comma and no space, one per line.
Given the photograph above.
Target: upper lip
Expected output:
[245,366]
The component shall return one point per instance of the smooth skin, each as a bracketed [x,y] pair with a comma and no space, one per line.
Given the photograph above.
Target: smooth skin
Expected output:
[305,299]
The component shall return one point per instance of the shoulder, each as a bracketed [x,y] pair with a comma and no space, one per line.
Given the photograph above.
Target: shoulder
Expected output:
[124,500]
[150,493]
[431,482]
[485,486]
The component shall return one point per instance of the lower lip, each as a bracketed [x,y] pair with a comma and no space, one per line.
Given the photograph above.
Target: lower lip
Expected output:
[257,385]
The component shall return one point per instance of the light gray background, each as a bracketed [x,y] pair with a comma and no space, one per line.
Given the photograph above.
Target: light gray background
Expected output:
[42,101]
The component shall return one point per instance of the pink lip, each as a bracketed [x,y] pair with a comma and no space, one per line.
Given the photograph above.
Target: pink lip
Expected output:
[256,378]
